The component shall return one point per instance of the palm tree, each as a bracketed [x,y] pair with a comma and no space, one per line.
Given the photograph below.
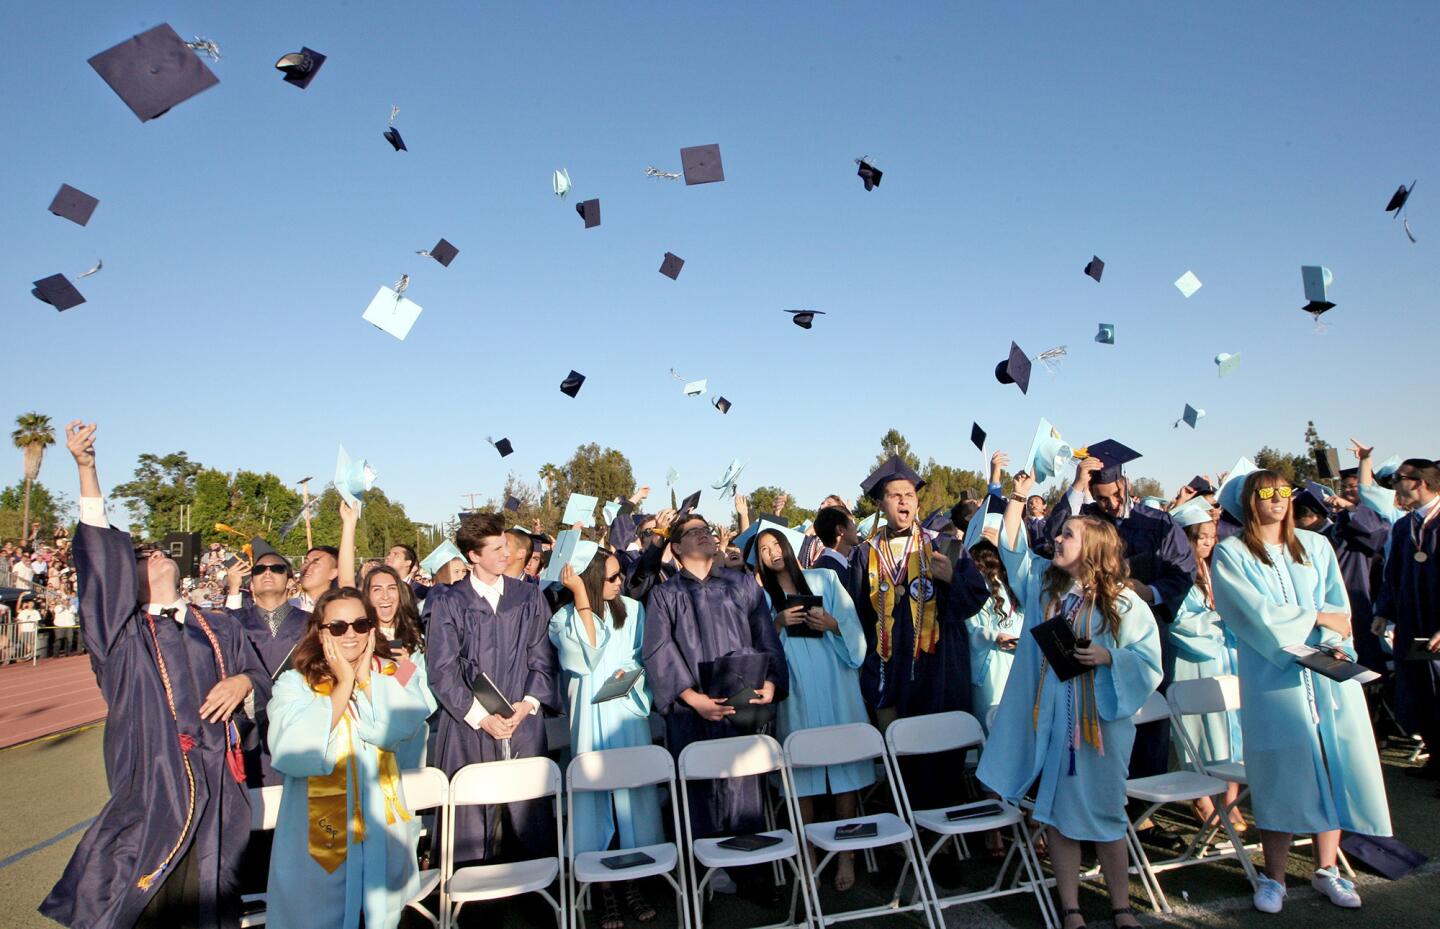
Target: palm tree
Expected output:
[33,434]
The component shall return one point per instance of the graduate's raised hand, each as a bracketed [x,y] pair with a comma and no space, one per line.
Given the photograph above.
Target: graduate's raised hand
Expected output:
[1361,452]
[80,440]
[1025,482]
[742,506]
[998,462]
[780,502]
[570,580]
[224,697]
[1084,471]
[638,497]
[349,516]
[234,575]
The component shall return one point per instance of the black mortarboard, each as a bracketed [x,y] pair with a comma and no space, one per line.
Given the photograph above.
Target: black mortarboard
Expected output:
[153,71]
[444,252]
[1349,472]
[259,548]
[1327,462]
[702,165]
[1015,369]
[721,404]
[1094,268]
[893,469]
[670,266]
[392,135]
[1312,497]
[589,211]
[1317,307]
[512,504]
[805,318]
[300,67]
[57,291]
[1389,856]
[686,505]
[977,436]
[571,385]
[1114,456]
[74,205]
[1397,200]
[938,519]
[504,447]
[869,174]
[1200,485]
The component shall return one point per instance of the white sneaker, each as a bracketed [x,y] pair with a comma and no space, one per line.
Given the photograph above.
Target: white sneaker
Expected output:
[1269,895]
[1340,891]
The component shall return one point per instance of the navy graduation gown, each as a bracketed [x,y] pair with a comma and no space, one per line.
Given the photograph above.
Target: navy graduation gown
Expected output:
[148,807]
[689,623]
[646,573]
[273,648]
[1358,537]
[465,639]
[1410,598]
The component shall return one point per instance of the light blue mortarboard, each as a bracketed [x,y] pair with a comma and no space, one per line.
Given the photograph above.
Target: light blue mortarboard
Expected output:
[795,539]
[1155,503]
[728,480]
[1196,511]
[391,312]
[561,183]
[760,522]
[1106,335]
[580,508]
[444,553]
[569,549]
[352,478]
[1234,485]
[610,512]
[1188,283]
[695,388]
[1317,281]
[1227,363]
[1048,453]
[671,477]
[988,517]
[1387,468]
[870,525]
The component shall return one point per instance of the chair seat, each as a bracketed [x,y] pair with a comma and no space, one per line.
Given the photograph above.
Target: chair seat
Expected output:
[890,830]
[711,854]
[935,821]
[489,881]
[589,870]
[1233,771]
[1173,787]
[429,880]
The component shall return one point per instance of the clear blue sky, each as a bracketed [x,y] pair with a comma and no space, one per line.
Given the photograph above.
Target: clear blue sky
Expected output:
[244,232]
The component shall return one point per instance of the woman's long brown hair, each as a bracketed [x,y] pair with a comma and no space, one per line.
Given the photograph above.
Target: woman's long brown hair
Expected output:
[310,655]
[1202,566]
[1102,572]
[1251,534]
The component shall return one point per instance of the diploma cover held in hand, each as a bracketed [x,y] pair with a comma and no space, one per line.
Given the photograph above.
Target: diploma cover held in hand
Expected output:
[735,677]
[490,697]
[1057,643]
[618,685]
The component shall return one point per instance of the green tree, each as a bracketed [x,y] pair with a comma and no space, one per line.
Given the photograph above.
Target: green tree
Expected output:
[382,524]
[48,508]
[1297,469]
[893,443]
[603,473]
[161,486]
[945,485]
[33,433]
[762,500]
[1146,487]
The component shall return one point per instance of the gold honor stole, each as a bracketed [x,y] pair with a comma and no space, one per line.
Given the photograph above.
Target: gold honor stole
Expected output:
[326,793]
[912,570]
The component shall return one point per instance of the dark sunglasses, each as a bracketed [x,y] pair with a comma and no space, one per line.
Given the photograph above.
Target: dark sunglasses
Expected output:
[272,567]
[338,627]
[614,577]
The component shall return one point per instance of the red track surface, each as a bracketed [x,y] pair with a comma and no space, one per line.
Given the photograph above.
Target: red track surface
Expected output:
[52,696]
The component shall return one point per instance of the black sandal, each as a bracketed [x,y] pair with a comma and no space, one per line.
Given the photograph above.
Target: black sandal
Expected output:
[610,917]
[1073,912]
[1124,911]
[639,906]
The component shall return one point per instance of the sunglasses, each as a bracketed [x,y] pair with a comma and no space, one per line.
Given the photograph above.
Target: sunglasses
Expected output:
[272,567]
[1408,478]
[614,577]
[1265,493]
[338,627]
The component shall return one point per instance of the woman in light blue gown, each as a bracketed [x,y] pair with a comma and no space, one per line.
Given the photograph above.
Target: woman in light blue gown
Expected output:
[1309,748]
[1074,737]
[824,647]
[599,636]
[994,631]
[343,848]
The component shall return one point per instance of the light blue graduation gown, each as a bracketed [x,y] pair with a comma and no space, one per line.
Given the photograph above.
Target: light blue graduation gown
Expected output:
[825,686]
[1204,648]
[1309,749]
[379,874]
[1380,500]
[989,663]
[1088,805]
[619,723]
[410,754]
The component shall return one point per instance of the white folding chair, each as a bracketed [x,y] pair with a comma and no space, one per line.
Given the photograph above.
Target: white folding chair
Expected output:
[952,731]
[429,789]
[496,783]
[621,769]
[264,814]
[1158,790]
[721,759]
[833,745]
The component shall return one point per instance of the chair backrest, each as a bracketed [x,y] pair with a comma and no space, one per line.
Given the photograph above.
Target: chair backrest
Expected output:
[828,745]
[933,732]
[265,807]
[1154,710]
[505,781]
[737,756]
[425,789]
[620,768]
[1206,695]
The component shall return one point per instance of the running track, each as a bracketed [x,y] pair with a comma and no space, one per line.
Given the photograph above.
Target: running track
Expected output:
[52,696]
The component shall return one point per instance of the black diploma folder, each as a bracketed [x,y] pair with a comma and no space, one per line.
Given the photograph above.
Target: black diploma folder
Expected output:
[1420,651]
[800,630]
[627,860]
[1057,643]
[1323,661]
[490,697]
[856,831]
[749,842]
[974,812]
[617,686]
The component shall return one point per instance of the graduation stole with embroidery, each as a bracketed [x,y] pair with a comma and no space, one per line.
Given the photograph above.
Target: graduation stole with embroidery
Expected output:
[1084,726]
[333,822]
[913,572]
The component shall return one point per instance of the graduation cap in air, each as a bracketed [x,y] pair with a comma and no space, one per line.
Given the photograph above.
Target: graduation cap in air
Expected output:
[670,266]
[503,446]
[392,135]
[721,404]
[1397,206]
[560,183]
[589,211]
[300,67]
[1200,485]
[352,478]
[977,437]
[893,468]
[153,71]
[443,554]
[74,205]
[1187,284]
[694,388]
[1190,417]
[728,481]
[869,173]
[1048,453]
[701,164]
[1327,462]
[443,252]
[1094,268]
[512,504]
[1230,491]
[1317,280]
[1106,335]
[686,507]
[804,318]
[57,291]
[1015,369]
[1112,455]
[571,385]
[390,311]
[580,508]
[1192,513]
[1227,363]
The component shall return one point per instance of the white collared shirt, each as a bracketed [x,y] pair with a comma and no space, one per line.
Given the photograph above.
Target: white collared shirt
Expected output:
[1423,511]
[178,606]
[491,594]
